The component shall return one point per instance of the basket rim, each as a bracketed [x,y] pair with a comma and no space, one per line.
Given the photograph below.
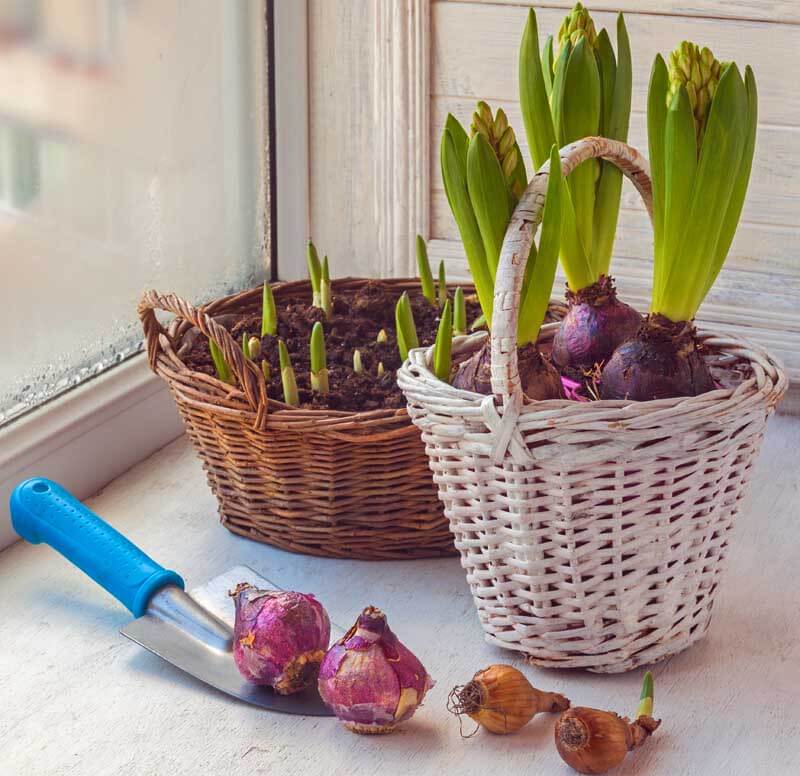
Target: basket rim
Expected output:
[768,379]
[210,393]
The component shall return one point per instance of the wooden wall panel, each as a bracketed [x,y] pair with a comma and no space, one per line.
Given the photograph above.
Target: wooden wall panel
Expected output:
[757,10]
[342,134]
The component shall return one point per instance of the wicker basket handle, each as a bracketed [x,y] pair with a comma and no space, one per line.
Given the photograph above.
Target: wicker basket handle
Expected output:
[520,233]
[248,375]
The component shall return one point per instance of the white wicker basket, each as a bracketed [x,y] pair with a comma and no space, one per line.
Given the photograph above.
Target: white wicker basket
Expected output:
[592,534]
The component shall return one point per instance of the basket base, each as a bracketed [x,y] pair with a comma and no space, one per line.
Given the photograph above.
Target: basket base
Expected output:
[613,662]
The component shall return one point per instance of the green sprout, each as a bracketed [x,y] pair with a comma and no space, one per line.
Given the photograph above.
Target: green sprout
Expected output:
[319,362]
[358,367]
[443,346]
[479,322]
[220,365]
[646,699]
[265,370]
[459,312]
[288,379]
[314,274]
[269,313]
[325,289]
[254,347]
[406,328]
[442,285]
[381,370]
[382,337]
[424,269]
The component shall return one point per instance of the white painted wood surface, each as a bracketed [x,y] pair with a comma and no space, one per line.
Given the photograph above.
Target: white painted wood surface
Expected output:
[78,698]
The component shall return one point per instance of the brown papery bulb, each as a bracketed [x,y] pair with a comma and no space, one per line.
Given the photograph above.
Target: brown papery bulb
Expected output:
[594,741]
[502,700]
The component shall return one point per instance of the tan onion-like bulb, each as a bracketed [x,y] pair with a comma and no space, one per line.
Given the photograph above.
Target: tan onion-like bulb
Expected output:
[500,699]
[595,741]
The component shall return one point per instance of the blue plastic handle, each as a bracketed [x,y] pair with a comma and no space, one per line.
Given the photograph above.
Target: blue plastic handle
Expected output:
[42,511]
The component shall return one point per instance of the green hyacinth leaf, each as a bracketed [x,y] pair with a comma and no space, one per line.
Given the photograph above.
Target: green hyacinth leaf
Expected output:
[489,194]
[547,65]
[459,135]
[656,123]
[615,126]
[680,166]
[619,120]
[526,279]
[545,260]
[454,177]
[736,203]
[533,96]
[519,178]
[717,170]
[607,67]
[557,97]
[580,117]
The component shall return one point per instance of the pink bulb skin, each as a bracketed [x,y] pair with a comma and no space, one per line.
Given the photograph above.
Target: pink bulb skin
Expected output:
[280,637]
[370,680]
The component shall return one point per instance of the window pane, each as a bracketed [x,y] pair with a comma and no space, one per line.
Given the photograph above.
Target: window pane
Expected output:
[131,157]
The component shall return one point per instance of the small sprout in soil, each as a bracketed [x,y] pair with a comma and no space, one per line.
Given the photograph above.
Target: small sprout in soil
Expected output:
[382,337]
[442,285]
[479,322]
[254,346]
[459,313]
[246,344]
[424,269]
[269,313]
[358,367]
[221,366]
[325,289]
[443,345]
[265,370]
[406,329]
[314,274]
[290,395]
[381,370]
[319,362]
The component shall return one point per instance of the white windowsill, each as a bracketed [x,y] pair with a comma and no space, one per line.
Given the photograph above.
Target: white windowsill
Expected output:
[126,414]
[112,707]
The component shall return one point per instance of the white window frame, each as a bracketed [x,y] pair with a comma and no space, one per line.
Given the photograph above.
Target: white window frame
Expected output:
[100,429]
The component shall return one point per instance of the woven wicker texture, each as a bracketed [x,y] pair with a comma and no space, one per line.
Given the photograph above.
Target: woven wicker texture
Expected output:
[593,534]
[338,484]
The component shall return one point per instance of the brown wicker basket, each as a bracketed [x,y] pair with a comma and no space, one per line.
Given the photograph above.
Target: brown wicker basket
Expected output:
[359,486]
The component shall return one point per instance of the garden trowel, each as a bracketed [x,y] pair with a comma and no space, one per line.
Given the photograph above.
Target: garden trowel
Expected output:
[193,631]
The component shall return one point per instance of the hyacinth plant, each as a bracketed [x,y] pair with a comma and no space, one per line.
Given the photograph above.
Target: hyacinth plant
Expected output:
[701,125]
[577,87]
[484,176]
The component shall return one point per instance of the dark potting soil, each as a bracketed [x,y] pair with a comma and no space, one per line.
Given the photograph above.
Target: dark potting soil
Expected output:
[356,320]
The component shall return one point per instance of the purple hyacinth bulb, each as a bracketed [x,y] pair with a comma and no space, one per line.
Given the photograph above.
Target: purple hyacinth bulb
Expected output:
[279,638]
[369,679]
